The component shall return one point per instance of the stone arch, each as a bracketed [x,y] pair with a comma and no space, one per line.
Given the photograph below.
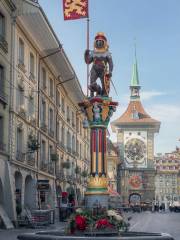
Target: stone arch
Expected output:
[29,193]
[135,198]
[2,194]
[58,194]
[50,202]
[18,192]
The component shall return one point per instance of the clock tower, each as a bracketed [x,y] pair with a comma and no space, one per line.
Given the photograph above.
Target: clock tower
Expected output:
[135,131]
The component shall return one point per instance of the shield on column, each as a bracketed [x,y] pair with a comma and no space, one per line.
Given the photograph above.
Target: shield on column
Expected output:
[106,84]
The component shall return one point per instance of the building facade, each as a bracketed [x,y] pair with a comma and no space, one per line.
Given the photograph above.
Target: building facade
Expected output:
[6,198]
[167,178]
[112,164]
[135,131]
[48,146]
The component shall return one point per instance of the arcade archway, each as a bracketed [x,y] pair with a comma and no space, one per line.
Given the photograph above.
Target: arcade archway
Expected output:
[29,193]
[135,199]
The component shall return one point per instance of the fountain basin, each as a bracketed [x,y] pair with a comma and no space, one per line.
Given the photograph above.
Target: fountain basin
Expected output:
[59,235]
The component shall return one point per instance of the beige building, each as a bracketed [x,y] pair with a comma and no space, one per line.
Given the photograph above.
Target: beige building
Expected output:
[167,178]
[48,146]
[6,198]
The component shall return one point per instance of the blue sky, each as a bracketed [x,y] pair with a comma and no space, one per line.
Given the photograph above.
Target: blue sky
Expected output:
[156,26]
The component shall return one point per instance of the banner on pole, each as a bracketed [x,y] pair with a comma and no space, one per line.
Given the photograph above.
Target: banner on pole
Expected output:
[75,9]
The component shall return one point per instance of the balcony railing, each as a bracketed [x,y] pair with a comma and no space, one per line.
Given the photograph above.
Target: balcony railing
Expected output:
[20,156]
[51,132]
[32,77]
[69,150]
[21,66]
[3,97]
[44,126]
[30,159]
[44,167]
[69,178]
[3,44]
[61,144]
[60,175]
[22,112]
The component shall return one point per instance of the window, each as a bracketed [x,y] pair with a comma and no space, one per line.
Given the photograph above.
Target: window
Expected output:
[50,119]
[50,152]
[68,139]
[62,135]
[21,51]
[43,151]
[51,87]
[31,106]
[43,111]
[80,151]
[57,131]
[80,126]
[2,26]
[1,132]
[44,78]
[77,125]
[58,99]
[68,115]
[73,143]
[63,105]
[19,140]
[32,65]
[1,80]
[73,122]
[20,97]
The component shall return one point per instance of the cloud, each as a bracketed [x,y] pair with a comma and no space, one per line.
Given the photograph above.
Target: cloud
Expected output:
[166,113]
[147,95]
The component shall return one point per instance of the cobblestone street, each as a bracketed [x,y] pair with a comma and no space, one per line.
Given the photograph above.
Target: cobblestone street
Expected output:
[157,222]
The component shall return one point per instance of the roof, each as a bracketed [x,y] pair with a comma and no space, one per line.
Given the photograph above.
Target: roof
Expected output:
[135,76]
[127,118]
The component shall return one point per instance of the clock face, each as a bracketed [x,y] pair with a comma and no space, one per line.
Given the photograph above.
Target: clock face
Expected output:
[135,151]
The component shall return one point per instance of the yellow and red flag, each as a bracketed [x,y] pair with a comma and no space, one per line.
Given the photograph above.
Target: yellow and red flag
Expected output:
[75,9]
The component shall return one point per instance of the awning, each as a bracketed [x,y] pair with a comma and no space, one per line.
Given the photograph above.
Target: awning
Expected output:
[43,185]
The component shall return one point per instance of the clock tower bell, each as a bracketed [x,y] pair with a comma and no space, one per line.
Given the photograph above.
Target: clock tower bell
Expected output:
[135,131]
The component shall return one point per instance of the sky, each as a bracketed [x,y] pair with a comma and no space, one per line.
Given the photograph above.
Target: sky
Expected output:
[155,27]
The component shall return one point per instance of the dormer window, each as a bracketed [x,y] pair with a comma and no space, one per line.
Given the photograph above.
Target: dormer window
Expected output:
[135,114]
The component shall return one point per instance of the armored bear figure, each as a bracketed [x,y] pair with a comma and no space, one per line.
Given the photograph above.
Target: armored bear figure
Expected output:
[102,66]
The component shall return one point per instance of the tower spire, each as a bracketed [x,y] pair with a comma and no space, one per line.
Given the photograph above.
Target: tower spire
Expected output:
[135,87]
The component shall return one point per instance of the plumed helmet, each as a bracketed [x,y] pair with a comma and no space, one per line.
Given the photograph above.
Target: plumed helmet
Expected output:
[100,42]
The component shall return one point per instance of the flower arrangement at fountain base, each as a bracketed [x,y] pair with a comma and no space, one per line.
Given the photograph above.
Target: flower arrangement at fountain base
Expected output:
[95,222]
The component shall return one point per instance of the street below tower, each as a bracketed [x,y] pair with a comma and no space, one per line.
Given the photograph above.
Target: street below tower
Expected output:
[156,222]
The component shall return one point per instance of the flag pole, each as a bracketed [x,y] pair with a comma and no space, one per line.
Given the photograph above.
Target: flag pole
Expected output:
[87,49]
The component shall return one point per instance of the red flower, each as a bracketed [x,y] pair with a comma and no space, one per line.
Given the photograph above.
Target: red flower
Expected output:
[80,222]
[102,223]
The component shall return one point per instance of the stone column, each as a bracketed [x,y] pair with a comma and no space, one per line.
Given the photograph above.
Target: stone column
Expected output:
[98,111]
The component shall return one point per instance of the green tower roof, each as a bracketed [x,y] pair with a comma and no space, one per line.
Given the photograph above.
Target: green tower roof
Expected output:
[135,77]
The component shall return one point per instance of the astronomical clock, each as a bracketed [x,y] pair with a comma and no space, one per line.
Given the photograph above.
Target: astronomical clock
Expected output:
[135,149]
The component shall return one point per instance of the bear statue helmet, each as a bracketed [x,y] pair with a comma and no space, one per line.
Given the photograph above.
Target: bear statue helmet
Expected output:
[100,43]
